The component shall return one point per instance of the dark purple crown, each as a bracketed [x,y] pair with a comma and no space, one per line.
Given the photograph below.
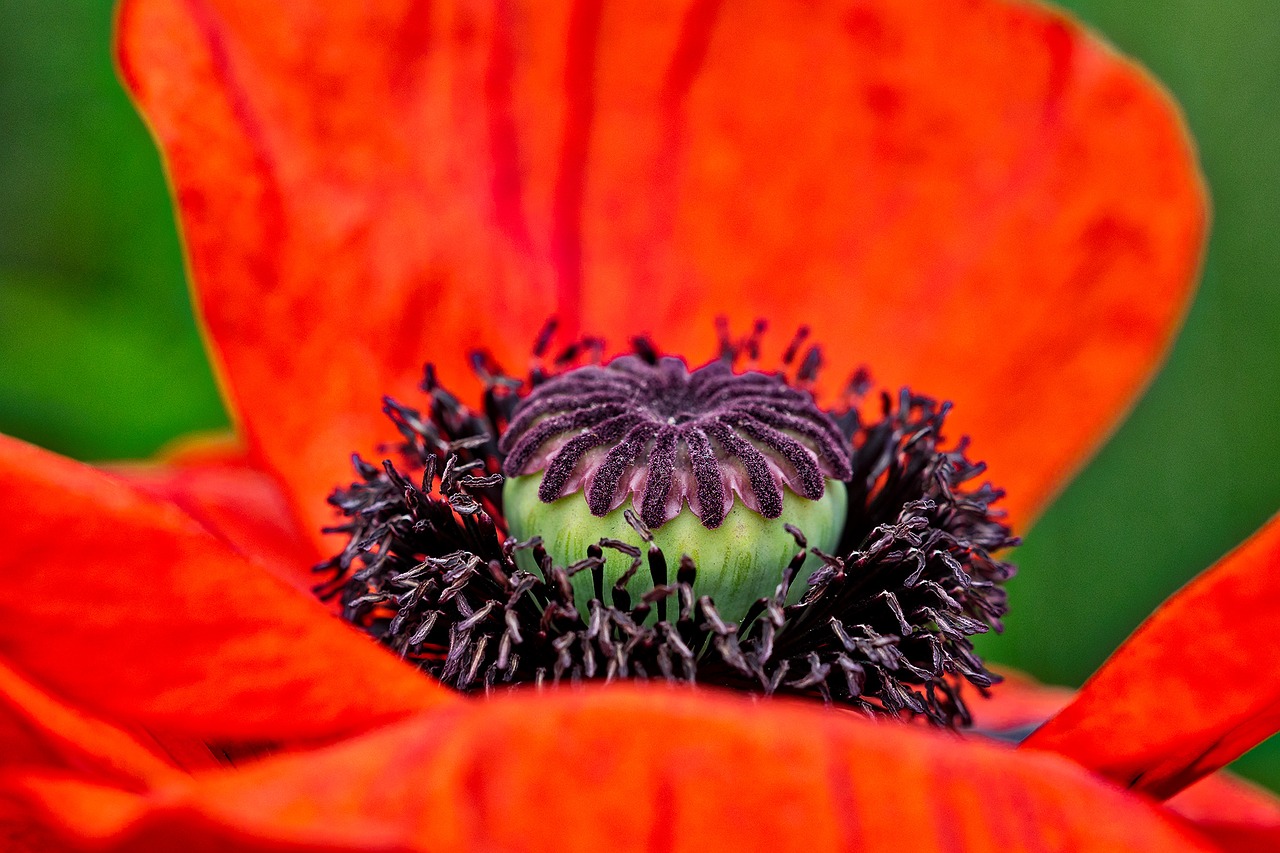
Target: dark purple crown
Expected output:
[667,436]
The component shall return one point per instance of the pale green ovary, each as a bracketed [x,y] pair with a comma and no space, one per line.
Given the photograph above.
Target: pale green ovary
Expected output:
[738,562]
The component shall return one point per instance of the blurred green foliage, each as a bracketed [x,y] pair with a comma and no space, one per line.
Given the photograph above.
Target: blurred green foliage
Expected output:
[100,357]
[1196,468]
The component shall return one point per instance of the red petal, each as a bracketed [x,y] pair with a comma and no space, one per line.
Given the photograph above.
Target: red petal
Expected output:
[1238,816]
[97,809]
[23,832]
[123,605]
[1193,688]
[39,729]
[975,197]
[214,481]
[640,769]
[1017,704]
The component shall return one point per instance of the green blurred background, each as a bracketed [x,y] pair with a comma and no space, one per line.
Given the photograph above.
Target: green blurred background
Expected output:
[99,355]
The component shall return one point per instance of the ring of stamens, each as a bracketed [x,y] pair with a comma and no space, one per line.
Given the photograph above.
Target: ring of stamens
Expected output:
[885,625]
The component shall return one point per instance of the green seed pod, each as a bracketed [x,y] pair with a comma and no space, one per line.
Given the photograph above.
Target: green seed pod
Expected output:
[738,562]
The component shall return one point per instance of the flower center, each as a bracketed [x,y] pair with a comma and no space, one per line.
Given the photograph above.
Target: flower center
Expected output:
[716,465]
[456,573]
[671,437]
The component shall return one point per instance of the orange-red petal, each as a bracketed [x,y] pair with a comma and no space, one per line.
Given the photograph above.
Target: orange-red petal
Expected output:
[635,769]
[121,604]
[1017,705]
[213,480]
[22,832]
[975,197]
[1194,687]
[1238,816]
[37,728]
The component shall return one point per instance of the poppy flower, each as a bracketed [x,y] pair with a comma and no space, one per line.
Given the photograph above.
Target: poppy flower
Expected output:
[980,200]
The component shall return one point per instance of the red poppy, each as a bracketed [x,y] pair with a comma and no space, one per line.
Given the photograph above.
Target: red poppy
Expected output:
[978,199]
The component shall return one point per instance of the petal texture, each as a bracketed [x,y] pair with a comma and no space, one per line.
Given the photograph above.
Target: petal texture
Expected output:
[215,482]
[972,196]
[1237,815]
[634,769]
[36,728]
[1194,687]
[22,832]
[1017,706]
[121,604]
